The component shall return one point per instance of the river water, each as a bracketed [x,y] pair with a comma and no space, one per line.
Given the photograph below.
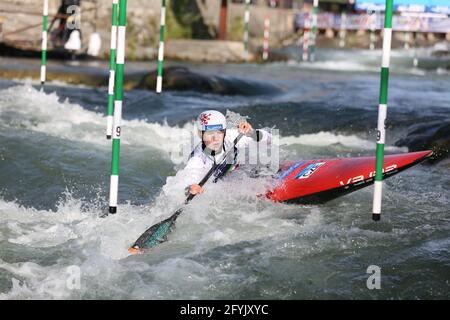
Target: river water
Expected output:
[54,184]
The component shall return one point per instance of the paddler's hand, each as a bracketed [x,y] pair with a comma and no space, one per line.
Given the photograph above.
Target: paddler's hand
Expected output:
[245,128]
[195,189]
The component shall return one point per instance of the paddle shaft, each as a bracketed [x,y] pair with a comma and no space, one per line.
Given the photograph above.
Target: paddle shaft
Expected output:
[174,216]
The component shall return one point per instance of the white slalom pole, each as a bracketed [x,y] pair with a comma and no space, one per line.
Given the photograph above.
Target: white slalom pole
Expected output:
[343,30]
[44,43]
[118,102]
[246,22]
[312,43]
[161,47]
[382,111]
[112,70]
[266,38]
[306,33]
[373,19]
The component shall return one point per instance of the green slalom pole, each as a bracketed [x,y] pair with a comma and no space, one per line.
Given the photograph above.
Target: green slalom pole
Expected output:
[112,70]
[161,47]
[312,43]
[382,111]
[44,42]
[118,97]
[246,22]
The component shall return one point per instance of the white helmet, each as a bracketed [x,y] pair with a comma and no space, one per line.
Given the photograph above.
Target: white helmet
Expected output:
[211,120]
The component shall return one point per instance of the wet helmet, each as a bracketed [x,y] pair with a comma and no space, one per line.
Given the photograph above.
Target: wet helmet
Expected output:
[211,120]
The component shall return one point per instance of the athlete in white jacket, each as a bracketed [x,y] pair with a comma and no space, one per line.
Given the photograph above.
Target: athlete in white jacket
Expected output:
[217,139]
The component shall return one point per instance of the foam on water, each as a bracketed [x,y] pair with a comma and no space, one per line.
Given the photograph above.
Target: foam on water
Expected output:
[227,243]
[98,246]
[28,108]
[338,66]
[402,61]
[323,139]
[205,254]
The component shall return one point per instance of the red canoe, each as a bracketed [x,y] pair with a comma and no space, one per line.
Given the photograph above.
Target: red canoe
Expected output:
[318,181]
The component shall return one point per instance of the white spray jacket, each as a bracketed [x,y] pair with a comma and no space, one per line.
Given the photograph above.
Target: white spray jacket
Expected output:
[200,162]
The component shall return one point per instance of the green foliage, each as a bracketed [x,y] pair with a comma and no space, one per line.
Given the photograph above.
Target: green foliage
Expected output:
[152,37]
[186,21]
[175,30]
[131,41]
[186,12]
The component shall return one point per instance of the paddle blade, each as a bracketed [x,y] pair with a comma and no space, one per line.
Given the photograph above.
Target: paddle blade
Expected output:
[152,236]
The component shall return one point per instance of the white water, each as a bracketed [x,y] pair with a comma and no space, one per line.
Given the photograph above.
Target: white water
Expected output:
[227,243]
[27,108]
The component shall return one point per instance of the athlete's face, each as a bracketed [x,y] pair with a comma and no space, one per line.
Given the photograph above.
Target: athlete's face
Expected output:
[213,139]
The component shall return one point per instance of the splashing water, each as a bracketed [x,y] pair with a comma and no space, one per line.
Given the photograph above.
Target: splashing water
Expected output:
[228,244]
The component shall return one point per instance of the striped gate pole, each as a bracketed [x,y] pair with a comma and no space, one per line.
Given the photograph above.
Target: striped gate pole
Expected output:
[373,19]
[112,70]
[312,44]
[266,38]
[44,42]
[343,30]
[118,97]
[161,47]
[306,26]
[382,111]
[415,59]
[246,22]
